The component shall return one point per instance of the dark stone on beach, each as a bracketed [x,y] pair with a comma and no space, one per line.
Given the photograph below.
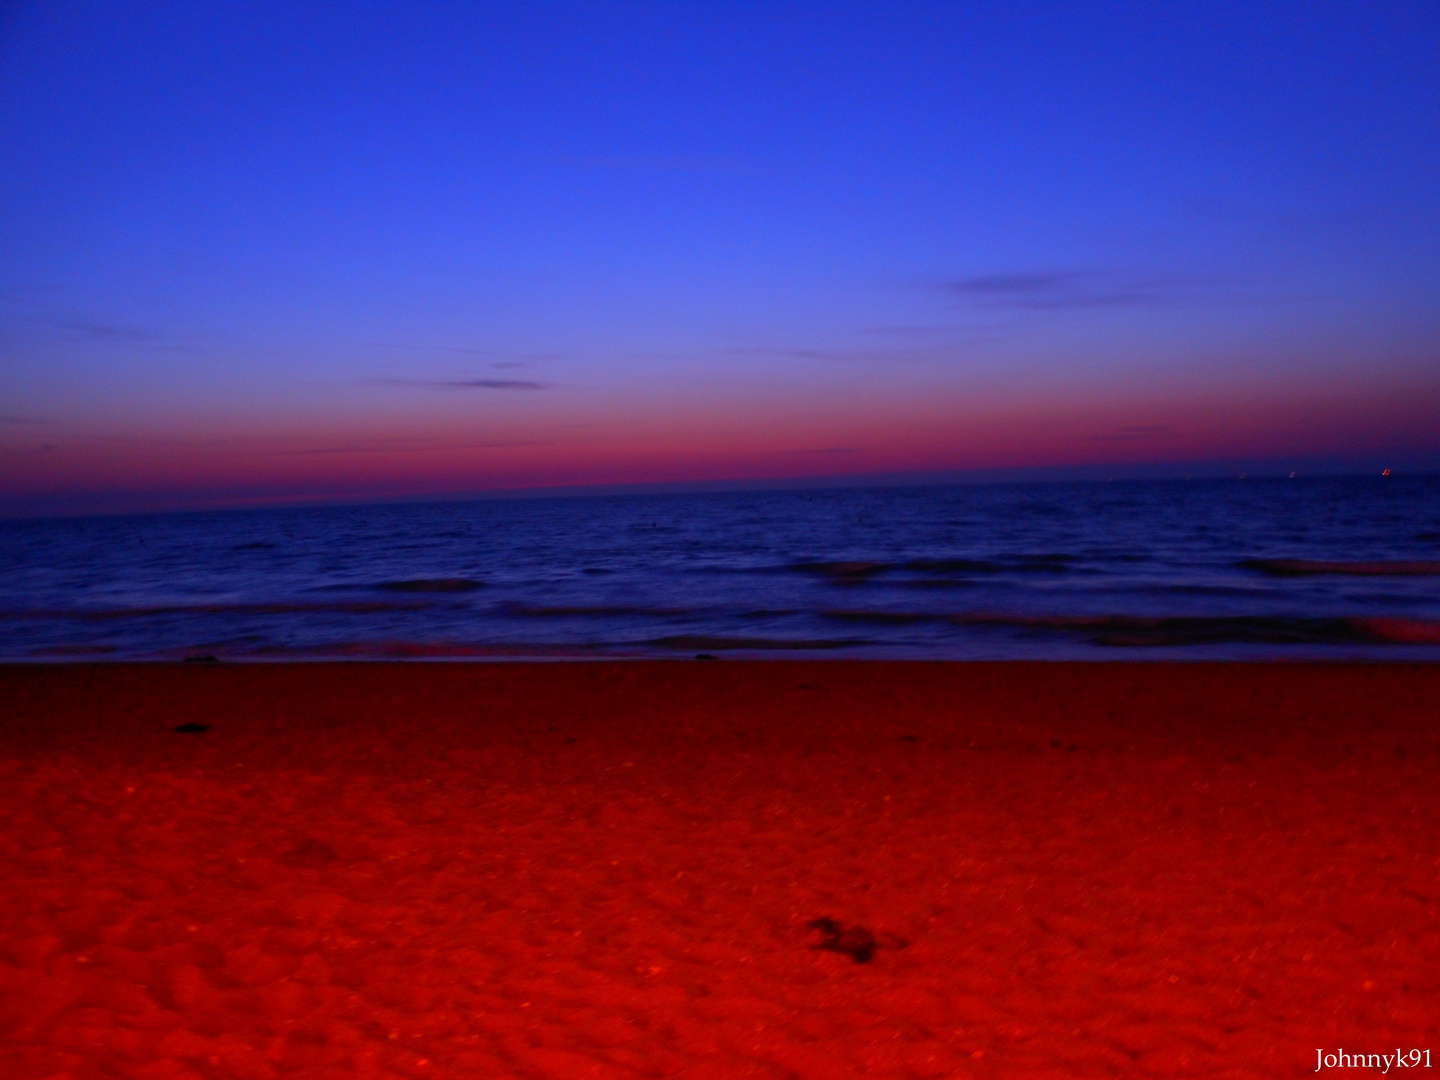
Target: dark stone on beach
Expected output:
[856,942]
[192,729]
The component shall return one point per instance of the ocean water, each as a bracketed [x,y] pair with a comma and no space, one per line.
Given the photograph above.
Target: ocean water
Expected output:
[1212,569]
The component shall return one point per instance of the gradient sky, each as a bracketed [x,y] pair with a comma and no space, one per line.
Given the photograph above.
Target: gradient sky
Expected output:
[265,252]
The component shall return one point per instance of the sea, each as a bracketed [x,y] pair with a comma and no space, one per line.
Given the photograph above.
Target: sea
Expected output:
[1237,569]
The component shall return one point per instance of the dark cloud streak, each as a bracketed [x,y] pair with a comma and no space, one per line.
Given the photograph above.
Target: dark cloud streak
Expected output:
[1074,290]
[464,384]
[490,384]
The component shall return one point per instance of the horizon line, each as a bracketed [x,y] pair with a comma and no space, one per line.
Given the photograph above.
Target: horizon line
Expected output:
[148,503]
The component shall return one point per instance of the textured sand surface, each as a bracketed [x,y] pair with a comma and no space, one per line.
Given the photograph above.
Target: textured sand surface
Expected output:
[610,870]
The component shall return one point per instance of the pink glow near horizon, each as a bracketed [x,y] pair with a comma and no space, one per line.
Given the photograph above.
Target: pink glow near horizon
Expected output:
[243,463]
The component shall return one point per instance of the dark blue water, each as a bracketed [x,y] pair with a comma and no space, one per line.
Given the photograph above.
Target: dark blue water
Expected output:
[1205,569]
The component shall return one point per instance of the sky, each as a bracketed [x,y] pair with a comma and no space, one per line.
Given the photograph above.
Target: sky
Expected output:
[276,252]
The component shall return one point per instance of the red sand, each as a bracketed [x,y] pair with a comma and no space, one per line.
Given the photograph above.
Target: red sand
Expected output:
[606,870]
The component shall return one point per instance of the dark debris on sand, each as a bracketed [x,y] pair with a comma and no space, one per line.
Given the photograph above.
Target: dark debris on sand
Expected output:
[856,942]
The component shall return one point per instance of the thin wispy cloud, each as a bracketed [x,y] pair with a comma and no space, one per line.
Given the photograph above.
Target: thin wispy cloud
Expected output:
[1075,290]
[23,421]
[463,384]
[490,384]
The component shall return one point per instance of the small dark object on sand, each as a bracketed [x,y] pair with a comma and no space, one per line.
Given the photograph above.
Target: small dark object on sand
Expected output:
[206,659]
[192,729]
[856,942]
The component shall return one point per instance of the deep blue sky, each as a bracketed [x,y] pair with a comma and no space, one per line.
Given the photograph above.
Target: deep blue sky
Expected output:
[306,250]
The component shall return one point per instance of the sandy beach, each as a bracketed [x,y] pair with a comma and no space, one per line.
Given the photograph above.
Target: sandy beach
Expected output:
[721,869]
